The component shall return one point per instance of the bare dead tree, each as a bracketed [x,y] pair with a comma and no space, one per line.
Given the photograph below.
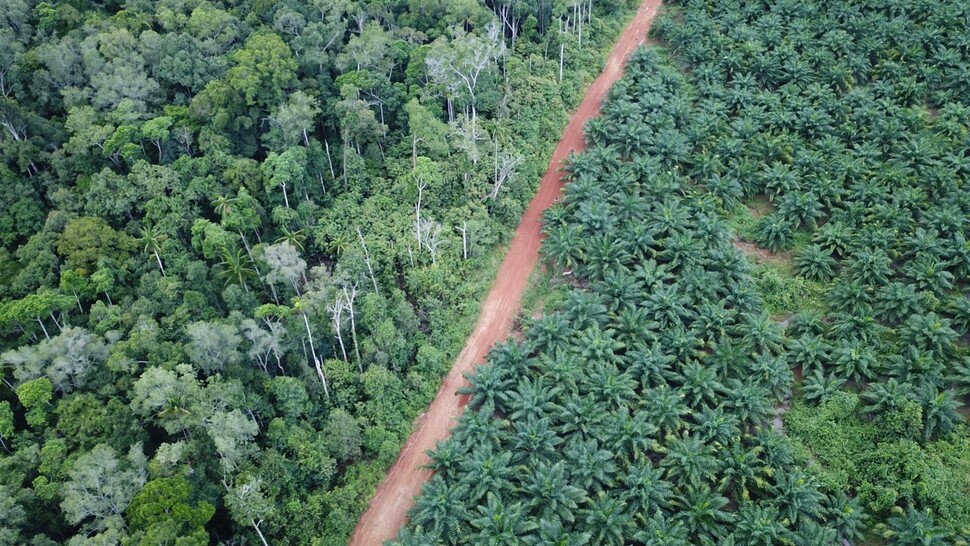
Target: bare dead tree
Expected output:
[504,169]
[464,240]
[336,310]
[367,262]
[430,236]
[421,184]
[350,296]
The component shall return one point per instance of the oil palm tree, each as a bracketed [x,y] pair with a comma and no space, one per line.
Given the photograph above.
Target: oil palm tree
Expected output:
[703,512]
[814,263]
[532,397]
[749,401]
[930,332]
[848,517]
[607,520]
[665,408]
[759,525]
[441,509]
[552,532]
[940,415]
[913,527]
[549,493]
[488,386]
[484,472]
[632,437]
[499,522]
[688,461]
[797,495]
[534,441]
[810,352]
[886,396]
[896,301]
[854,360]
[775,232]
[740,470]
[590,467]
[700,385]
[819,387]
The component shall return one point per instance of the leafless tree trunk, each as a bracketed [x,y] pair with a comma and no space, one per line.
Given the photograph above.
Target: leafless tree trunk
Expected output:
[430,237]
[316,360]
[159,260]
[421,183]
[336,311]
[562,55]
[464,240]
[350,296]
[367,261]
[505,170]
[285,198]
[326,144]
[256,525]
[42,327]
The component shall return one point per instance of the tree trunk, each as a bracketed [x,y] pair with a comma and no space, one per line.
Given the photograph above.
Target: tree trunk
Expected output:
[340,336]
[159,260]
[258,532]
[42,327]
[367,261]
[316,361]
[562,52]
[326,144]
[353,335]
[417,214]
[414,152]
[286,199]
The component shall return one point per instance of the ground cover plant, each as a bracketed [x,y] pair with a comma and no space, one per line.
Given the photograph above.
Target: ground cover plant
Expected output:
[241,242]
[828,141]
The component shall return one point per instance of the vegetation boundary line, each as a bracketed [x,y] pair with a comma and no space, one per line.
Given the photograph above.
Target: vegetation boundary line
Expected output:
[394,497]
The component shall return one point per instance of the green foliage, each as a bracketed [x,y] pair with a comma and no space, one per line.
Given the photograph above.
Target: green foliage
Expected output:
[784,293]
[137,148]
[163,513]
[35,395]
[881,462]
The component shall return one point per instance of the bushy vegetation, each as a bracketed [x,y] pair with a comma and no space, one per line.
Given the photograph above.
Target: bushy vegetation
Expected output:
[846,127]
[241,241]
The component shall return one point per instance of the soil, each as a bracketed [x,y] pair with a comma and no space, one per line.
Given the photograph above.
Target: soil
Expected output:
[761,255]
[395,496]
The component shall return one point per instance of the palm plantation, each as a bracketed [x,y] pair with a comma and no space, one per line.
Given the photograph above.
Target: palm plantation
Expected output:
[641,410]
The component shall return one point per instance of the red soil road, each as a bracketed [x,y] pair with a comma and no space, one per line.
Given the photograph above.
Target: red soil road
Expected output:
[395,496]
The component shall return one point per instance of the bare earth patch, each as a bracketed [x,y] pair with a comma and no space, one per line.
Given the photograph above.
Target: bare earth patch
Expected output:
[762,255]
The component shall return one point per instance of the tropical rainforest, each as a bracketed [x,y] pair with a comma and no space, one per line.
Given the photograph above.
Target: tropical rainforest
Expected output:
[762,337]
[241,241]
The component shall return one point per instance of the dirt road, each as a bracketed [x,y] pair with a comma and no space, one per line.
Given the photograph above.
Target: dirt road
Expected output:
[395,496]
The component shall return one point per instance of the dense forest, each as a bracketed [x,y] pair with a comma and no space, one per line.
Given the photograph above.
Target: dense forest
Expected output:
[241,242]
[763,340]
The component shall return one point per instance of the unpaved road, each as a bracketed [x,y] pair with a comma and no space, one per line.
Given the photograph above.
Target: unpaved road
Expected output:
[395,496]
